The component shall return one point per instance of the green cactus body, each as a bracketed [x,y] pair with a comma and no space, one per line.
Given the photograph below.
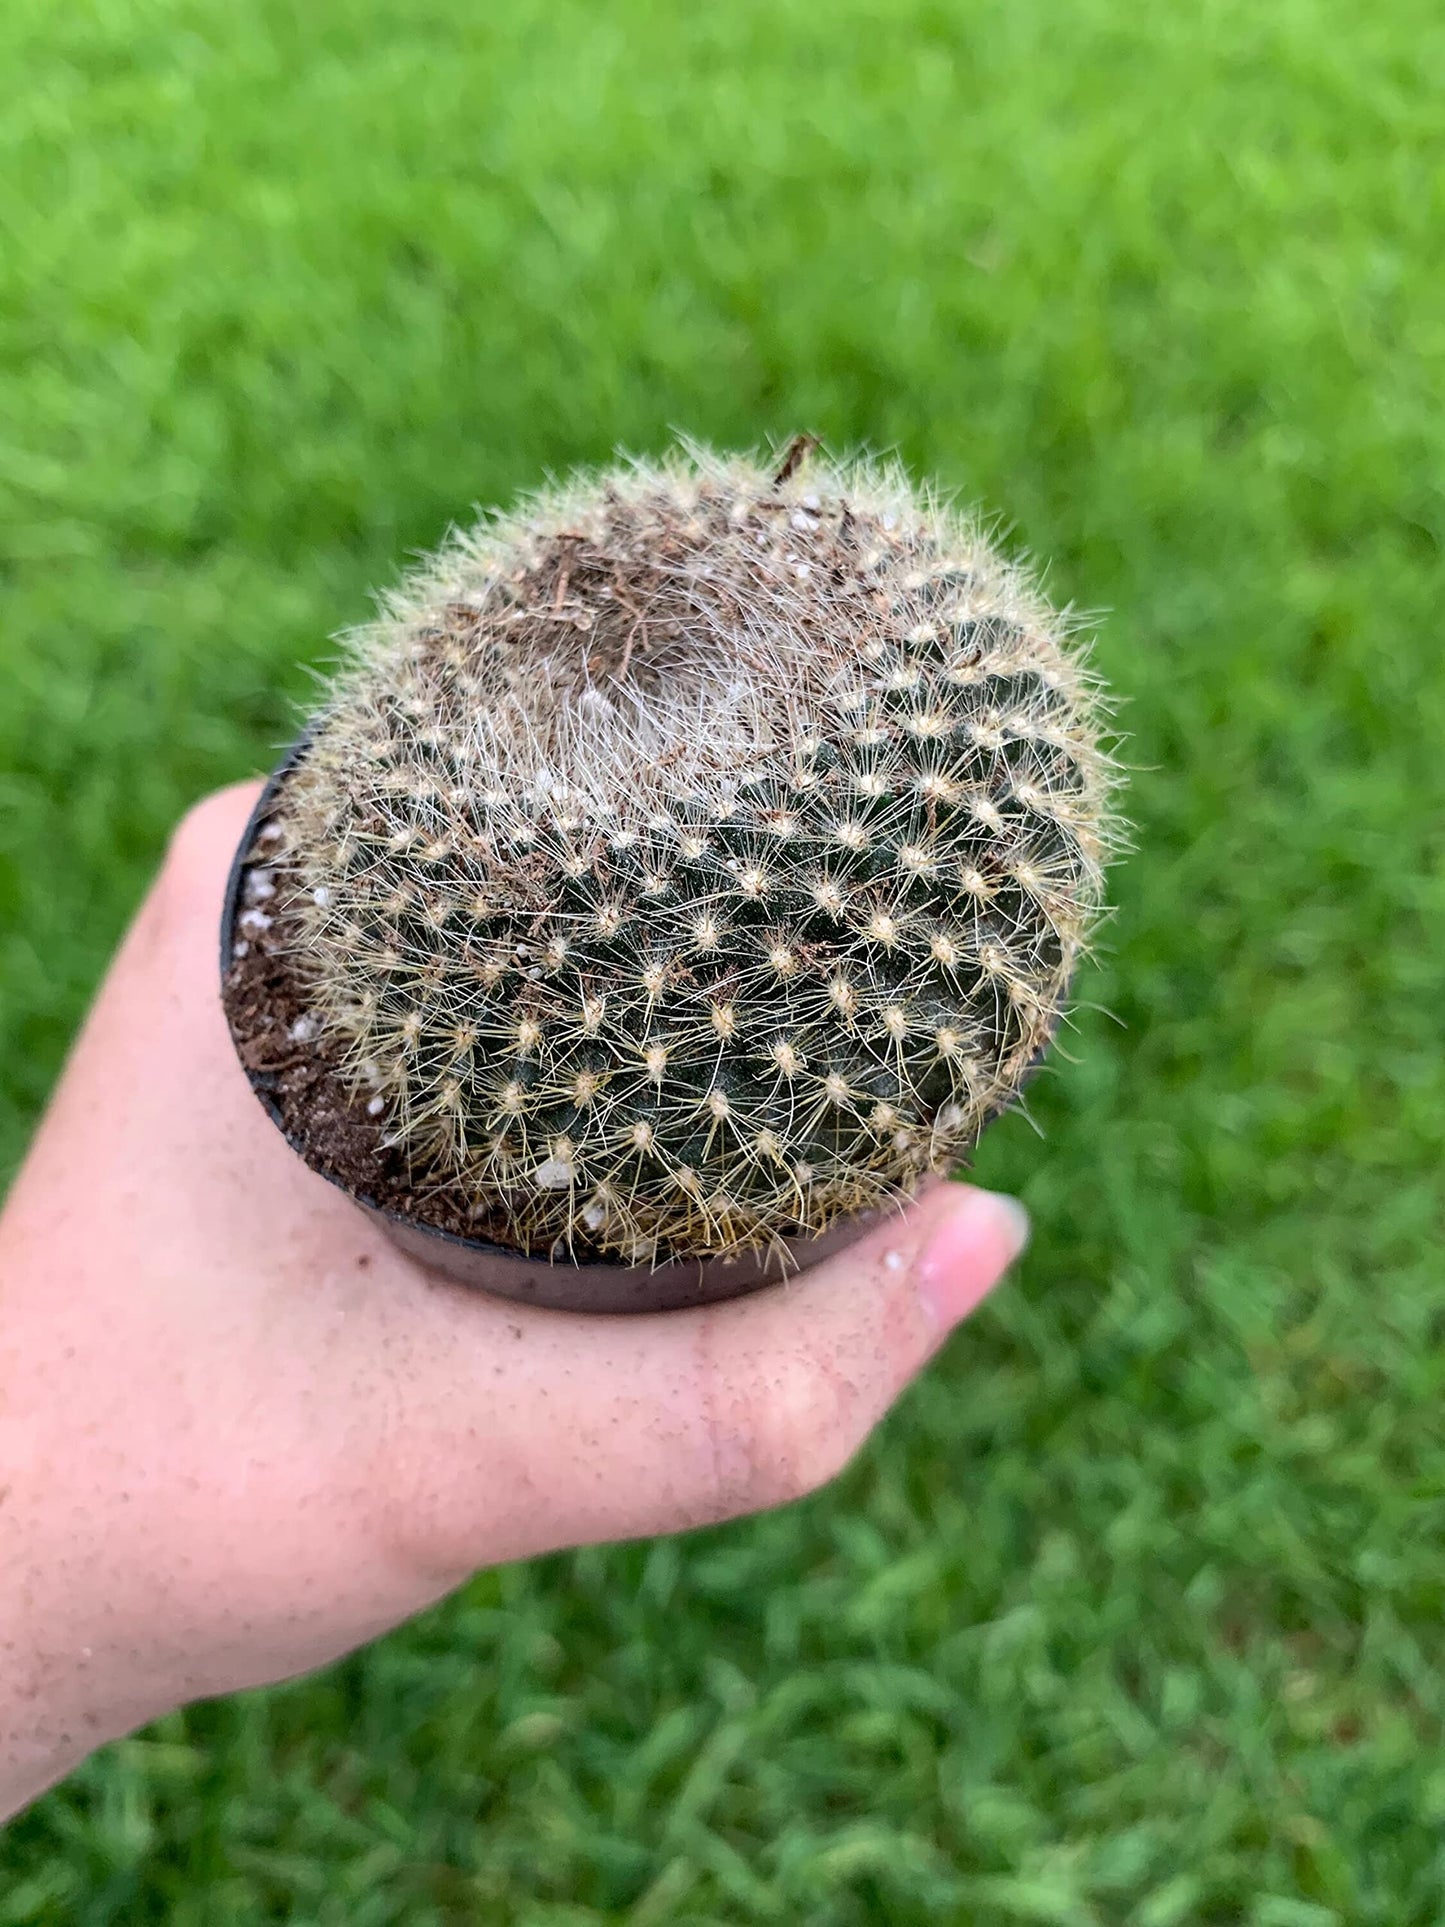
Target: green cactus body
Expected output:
[692,857]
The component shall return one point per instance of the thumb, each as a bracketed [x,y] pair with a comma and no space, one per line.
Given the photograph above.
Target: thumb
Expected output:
[617,1428]
[791,1383]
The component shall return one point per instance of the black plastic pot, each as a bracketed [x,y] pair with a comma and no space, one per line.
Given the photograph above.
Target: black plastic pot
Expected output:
[561,1283]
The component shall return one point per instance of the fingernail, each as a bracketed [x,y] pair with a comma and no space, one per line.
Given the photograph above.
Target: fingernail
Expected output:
[969,1252]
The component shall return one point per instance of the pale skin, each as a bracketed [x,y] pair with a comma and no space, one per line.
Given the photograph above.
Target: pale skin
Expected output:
[240,1435]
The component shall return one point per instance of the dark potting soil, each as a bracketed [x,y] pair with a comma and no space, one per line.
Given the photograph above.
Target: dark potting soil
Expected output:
[326,1121]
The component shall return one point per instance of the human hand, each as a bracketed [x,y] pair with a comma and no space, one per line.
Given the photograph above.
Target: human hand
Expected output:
[240,1433]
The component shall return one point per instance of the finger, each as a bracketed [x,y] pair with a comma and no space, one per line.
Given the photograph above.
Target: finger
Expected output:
[192,878]
[153,1041]
[519,1431]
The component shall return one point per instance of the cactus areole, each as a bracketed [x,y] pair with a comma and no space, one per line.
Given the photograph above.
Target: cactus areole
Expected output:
[680,868]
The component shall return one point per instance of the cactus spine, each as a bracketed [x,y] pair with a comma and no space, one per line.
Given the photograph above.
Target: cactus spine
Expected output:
[697,854]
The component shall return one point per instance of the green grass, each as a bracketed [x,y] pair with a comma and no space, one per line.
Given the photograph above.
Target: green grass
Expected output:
[1132,1615]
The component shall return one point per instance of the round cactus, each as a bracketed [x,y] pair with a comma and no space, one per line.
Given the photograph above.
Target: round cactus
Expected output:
[697,854]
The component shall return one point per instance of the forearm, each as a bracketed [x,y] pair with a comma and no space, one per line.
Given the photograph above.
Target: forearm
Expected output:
[44,1730]
[78,1666]
[45,1727]
[68,1682]
[73,1659]
[53,1711]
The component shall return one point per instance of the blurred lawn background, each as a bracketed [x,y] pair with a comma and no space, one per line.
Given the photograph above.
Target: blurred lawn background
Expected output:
[1134,1611]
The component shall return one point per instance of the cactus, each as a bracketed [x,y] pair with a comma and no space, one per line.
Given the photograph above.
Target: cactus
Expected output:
[697,854]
